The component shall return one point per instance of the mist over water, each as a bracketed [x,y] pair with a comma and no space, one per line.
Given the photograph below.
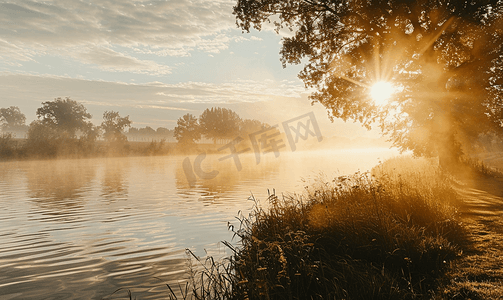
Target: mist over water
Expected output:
[83,228]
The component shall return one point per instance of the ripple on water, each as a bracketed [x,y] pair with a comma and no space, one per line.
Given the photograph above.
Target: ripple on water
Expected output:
[81,229]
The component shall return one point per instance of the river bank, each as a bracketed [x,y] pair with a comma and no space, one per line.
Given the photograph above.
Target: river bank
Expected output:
[17,149]
[406,230]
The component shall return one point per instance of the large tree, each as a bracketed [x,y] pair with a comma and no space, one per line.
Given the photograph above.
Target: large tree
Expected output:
[219,123]
[11,118]
[187,129]
[42,140]
[113,126]
[444,59]
[64,115]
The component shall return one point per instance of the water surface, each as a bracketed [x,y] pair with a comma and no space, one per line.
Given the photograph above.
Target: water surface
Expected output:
[81,229]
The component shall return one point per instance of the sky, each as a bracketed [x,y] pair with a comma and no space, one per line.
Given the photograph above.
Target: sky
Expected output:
[152,60]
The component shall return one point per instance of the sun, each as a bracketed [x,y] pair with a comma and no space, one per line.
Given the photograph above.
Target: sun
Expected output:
[381,92]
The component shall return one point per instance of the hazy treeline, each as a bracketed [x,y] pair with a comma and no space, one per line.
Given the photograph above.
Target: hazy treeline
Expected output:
[217,124]
[149,134]
[63,129]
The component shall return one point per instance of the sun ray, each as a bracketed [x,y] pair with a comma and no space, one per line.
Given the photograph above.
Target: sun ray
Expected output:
[437,35]
[377,61]
[354,81]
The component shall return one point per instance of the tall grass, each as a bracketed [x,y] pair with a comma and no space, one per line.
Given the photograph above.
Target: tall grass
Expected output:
[387,234]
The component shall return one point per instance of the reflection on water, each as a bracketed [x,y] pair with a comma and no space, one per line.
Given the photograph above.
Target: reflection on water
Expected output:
[57,187]
[114,183]
[228,177]
[81,229]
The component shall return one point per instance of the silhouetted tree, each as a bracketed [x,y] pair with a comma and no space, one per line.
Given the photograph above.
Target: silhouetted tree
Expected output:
[187,129]
[64,115]
[42,140]
[147,131]
[219,123]
[444,57]
[165,132]
[113,126]
[248,126]
[88,139]
[12,119]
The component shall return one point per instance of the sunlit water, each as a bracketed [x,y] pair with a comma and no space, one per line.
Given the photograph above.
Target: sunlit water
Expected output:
[81,229]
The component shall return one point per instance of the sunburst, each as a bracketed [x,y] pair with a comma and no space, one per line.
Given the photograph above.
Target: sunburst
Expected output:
[381,92]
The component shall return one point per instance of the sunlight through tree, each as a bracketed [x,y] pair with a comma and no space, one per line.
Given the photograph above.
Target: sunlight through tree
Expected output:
[445,59]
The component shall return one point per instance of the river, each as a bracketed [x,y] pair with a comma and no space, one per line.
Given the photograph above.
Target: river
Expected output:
[83,228]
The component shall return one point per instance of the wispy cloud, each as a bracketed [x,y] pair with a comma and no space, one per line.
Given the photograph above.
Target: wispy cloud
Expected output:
[12,53]
[110,60]
[161,107]
[88,29]
[154,95]
[230,92]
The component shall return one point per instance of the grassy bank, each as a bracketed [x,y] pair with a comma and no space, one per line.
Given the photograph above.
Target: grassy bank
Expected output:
[388,234]
[19,149]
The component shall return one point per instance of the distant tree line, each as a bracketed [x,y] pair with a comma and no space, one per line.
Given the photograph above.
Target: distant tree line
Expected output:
[214,123]
[63,128]
[149,133]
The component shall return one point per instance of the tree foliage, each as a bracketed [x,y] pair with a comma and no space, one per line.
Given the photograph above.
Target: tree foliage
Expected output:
[42,140]
[249,126]
[113,126]
[55,131]
[64,115]
[8,146]
[219,123]
[444,58]
[11,118]
[162,131]
[187,129]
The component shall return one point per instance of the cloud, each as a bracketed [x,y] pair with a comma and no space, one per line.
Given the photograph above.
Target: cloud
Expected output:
[155,96]
[13,87]
[245,91]
[173,27]
[10,50]
[110,60]
[161,107]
